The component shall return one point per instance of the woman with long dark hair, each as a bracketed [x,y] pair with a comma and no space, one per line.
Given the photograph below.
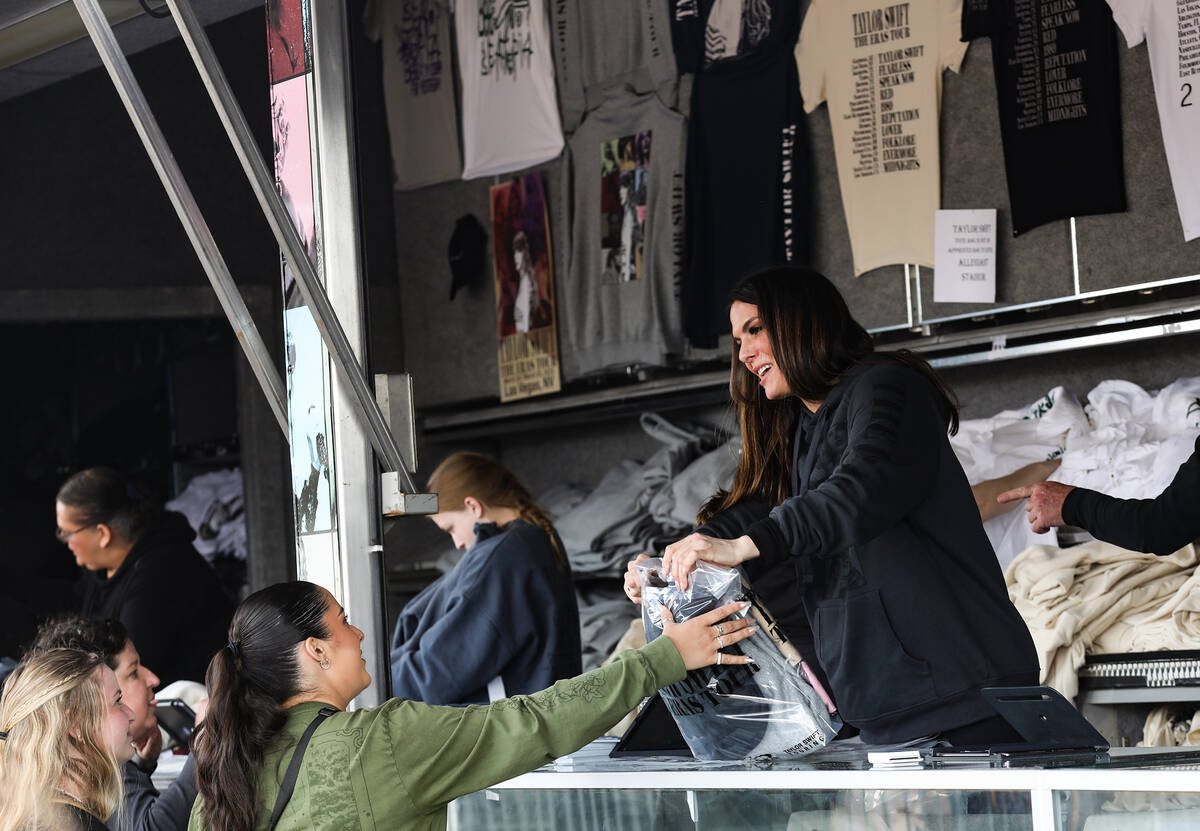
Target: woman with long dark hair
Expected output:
[143,570]
[849,507]
[504,620]
[294,662]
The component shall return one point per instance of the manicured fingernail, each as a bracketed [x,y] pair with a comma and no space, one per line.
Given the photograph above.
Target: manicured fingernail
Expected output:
[745,605]
[753,629]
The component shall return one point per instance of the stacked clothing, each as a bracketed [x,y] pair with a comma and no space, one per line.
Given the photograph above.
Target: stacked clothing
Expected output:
[214,505]
[637,508]
[1096,597]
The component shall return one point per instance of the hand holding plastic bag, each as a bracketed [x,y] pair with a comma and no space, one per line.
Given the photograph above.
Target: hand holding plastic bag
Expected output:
[764,709]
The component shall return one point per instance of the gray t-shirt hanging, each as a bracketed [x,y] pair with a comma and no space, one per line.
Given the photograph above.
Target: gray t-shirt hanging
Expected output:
[418,87]
[620,301]
[599,44]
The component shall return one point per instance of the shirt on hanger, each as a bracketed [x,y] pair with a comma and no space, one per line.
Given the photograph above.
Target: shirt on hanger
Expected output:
[418,88]
[1056,80]
[610,43]
[509,112]
[879,66]
[620,302]
[1172,34]
[747,183]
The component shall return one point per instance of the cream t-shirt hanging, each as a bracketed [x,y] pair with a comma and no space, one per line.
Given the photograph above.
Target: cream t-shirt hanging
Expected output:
[509,111]
[879,67]
[1172,34]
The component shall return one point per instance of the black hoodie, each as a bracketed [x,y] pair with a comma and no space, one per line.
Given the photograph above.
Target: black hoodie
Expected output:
[892,567]
[168,598]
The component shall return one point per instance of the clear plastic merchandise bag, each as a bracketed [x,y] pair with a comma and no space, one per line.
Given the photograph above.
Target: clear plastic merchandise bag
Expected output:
[767,709]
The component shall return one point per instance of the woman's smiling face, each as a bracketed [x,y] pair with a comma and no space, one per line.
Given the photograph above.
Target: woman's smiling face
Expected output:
[754,349]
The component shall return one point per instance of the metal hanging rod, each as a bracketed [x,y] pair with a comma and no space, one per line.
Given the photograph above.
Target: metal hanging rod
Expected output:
[185,205]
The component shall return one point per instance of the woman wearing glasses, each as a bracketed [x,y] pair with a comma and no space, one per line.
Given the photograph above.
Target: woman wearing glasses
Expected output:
[143,571]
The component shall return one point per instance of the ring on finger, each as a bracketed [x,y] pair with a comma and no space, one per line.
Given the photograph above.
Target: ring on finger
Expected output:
[720,642]
[720,629]
[719,657]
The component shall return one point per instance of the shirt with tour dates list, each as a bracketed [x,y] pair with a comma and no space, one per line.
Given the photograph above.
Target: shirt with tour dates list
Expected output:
[1172,33]
[1056,80]
[879,66]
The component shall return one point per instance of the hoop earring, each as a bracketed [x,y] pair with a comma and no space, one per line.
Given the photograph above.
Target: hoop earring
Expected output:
[325,664]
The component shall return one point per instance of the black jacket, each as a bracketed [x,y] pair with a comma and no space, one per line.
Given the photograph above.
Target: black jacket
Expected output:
[145,809]
[889,560]
[1156,526]
[169,599]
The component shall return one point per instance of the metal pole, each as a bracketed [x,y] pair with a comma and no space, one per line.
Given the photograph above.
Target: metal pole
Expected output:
[263,184]
[185,205]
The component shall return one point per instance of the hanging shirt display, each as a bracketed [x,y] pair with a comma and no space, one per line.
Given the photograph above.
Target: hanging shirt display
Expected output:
[1172,34]
[509,112]
[879,66]
[610,43]
[620,302]
[1056,81]
[747,182]
[418,88]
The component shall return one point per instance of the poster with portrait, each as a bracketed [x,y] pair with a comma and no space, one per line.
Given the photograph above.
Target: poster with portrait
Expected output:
[523,273]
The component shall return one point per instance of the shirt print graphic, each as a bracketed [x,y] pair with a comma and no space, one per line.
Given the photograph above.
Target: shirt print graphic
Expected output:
[417,46]
[735,27]
[505,38]
[1050,57]
[1189,47]
[884,138]
[624,170]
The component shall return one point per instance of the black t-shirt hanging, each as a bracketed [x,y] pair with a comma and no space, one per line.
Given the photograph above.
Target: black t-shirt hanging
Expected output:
[1056,80]
[747,159]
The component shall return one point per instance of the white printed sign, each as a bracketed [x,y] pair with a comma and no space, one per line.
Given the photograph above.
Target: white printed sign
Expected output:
[964,256]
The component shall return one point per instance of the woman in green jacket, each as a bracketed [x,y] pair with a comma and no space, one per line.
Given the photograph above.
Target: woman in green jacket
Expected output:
[292,653]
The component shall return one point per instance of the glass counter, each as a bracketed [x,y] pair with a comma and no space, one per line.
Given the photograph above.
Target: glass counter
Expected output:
[835,789]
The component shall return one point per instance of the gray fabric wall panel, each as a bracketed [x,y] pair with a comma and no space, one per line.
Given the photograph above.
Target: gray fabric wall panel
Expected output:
[450,346]
[987,389]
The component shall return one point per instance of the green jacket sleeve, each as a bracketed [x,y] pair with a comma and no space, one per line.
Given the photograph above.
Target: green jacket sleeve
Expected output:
[445,752]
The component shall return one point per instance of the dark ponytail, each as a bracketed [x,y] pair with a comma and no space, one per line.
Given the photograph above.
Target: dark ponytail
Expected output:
[248,682]
[102,495]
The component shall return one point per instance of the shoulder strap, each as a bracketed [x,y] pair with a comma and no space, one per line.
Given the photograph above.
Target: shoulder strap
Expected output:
[289,779]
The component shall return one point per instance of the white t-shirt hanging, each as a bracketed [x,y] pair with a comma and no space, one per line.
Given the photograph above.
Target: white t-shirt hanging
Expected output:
[1172,34]
[879,66]
[418,89]
[509,111]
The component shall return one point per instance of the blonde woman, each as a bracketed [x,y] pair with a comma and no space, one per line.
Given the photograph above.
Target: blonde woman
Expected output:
[64,733]
[504,621]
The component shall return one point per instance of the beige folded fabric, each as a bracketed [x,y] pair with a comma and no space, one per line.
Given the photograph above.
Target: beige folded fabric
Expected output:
[1097,597]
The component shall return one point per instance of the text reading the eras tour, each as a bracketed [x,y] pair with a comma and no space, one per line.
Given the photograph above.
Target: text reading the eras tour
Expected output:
[883,140]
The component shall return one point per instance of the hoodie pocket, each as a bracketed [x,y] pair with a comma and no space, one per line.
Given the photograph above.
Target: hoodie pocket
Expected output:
[869,670]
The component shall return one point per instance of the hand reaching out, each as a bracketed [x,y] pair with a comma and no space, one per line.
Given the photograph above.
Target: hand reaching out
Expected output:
[1045,503]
